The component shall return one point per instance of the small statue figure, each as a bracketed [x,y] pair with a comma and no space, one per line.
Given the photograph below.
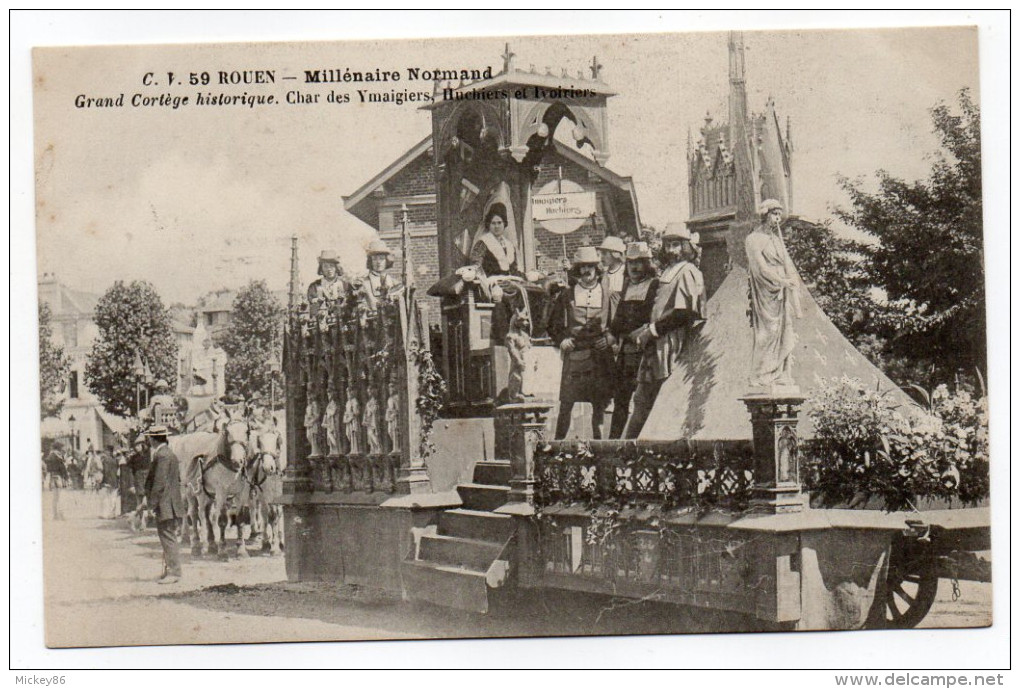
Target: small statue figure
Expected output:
[518,342]
[352,421]
[312,425]
[393,418]
[331,421]
[372,425]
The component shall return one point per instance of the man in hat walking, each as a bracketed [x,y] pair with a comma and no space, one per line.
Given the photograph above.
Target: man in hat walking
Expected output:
[330,284]
[576,325]
[163,490]
[679,307]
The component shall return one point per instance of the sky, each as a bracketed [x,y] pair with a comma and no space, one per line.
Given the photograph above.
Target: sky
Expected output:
[201,197]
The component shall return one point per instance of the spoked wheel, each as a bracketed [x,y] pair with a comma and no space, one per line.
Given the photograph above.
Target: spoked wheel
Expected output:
[909,591]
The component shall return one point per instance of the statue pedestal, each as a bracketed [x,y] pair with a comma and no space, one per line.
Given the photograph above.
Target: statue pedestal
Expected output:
[774,412]
[519,428]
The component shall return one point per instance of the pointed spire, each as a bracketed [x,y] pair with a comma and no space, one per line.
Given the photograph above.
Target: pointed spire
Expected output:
[789,134]
[736,45]
[689,141]
[295,290]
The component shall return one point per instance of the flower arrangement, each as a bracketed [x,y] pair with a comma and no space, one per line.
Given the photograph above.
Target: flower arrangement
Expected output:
[867,446]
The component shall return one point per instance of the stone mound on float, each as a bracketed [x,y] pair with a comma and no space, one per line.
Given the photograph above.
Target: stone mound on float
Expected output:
[701,400]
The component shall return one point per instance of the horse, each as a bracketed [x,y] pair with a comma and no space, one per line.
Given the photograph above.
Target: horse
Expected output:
[191,450]
[227,483]
[267,475]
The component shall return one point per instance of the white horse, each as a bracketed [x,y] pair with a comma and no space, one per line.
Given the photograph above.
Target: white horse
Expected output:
[267,476]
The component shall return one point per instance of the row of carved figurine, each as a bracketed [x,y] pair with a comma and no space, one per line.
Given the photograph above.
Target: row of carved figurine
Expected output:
[348,424]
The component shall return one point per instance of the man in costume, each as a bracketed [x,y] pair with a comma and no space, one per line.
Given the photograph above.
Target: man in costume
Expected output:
[611,253]
[678,309]
[632,309]
[330,284]
[577,325]
[378,284]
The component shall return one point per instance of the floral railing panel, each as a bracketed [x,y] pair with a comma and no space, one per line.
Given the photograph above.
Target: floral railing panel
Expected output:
[668,475]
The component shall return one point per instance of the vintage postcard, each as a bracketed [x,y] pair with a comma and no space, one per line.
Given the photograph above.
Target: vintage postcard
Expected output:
[512,337]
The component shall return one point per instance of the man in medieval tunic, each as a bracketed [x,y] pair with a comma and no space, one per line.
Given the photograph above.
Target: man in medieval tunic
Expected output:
[775,301]
[378,285]
[678,309]
[631,310]
[576,325]
[611,253]
[330,284]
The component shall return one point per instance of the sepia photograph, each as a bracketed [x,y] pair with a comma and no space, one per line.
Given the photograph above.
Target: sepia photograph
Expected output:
[613,335]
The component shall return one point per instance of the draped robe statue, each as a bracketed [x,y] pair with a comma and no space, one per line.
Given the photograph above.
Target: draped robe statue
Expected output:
[393,418]
[371,422]
[332,423]
[775,302]
[352,424]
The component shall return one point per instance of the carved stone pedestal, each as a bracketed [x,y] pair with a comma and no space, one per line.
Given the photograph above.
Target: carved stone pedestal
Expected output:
[777,487]
[519,427]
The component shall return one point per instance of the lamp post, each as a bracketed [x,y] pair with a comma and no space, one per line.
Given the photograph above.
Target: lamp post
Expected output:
[215,375]
[70,423]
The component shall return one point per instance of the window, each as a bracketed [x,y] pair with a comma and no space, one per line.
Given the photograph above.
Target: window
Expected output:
[73,385]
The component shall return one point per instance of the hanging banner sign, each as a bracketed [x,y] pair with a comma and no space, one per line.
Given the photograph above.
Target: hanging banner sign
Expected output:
[567,206]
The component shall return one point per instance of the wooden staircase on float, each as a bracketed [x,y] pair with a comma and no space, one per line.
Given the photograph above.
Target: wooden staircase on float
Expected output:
[466,554]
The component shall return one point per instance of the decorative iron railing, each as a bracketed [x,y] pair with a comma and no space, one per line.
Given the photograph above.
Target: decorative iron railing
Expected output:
[669,475]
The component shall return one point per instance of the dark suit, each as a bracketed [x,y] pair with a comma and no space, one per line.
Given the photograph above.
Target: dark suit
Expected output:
[163,488]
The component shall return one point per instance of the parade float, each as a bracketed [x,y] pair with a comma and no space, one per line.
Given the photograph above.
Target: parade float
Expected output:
[708,508]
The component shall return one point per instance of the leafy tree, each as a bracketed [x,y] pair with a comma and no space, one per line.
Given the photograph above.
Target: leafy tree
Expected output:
[54,365]
[831,269]
[252,340]
[131,320]
[927,253]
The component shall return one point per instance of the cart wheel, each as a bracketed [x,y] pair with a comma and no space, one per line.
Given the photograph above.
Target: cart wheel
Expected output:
[911,585]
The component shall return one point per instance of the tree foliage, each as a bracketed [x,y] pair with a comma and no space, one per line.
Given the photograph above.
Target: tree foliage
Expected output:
[131,320]
[252,341]
[54,365]
[927,249]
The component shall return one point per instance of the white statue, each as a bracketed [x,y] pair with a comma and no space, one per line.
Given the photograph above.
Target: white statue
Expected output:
[312,425]
[775,299]
[372,425]
[393,418]
[352,420]
[332,423]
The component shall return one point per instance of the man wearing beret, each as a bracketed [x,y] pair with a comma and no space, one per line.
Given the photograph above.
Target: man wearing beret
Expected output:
[163,490]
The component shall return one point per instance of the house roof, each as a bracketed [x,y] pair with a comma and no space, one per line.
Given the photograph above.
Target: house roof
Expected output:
[392,169]
[624,185]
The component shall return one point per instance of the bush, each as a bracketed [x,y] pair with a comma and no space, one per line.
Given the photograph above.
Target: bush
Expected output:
[868,446]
